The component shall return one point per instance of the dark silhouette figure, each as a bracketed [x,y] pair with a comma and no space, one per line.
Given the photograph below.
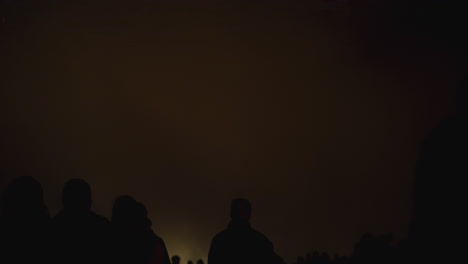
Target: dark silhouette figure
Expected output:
[200,261]
[372,249]
[175,260]
[80,235]
[438,231]
[240,243]
[190,262]
[24,223]
[133,240]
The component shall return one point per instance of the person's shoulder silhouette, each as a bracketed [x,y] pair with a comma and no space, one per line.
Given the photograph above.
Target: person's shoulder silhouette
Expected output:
[133,239]
[239,242]
[24,223]
[439,190]
[80,234]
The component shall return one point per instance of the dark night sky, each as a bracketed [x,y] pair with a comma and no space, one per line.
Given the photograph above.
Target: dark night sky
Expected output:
[314,111]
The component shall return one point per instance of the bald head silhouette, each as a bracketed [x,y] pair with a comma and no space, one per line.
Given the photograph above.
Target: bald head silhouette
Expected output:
[76,195]
[241,210]
[23,196]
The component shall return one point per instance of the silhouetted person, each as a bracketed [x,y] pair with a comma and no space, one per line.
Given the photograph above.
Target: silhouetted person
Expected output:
[80,235]
[200,261]
[134,242]
[175,260]
[190,262]
[24,223]
[371,249]
[240,243]
[438,231]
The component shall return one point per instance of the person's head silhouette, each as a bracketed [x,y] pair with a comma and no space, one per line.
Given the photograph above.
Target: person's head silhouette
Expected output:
[23,198]
[76,195]
[175,259]
[200,261]
[130,214]
[241,210]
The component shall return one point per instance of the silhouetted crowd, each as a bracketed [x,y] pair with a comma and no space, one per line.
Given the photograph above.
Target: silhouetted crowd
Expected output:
[78,235]
[369,249]
[176,260]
